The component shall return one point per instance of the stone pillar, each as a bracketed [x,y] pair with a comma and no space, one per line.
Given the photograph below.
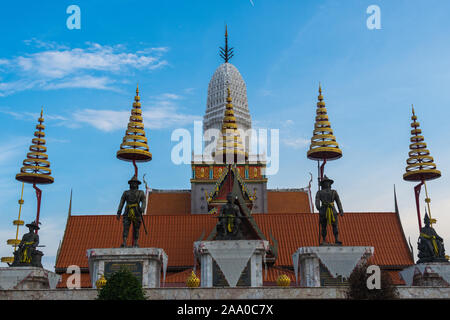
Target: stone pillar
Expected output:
[144,263]
[309,270]
[206,271]
[256,270]
[338,260]
[231,253]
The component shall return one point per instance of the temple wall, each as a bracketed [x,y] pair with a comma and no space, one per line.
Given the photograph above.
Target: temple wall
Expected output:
[222,293]
[198,198]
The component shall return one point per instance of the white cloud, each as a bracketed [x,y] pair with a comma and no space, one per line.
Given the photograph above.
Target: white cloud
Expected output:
[104,120]
[155,117]
[296,143]
[289,122]
[170,96]
[57,66]
[11,150]
[101,83]
[32,115]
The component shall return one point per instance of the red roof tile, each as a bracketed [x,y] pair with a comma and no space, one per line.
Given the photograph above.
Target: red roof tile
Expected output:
[179,203]
[169,203]
[287,202]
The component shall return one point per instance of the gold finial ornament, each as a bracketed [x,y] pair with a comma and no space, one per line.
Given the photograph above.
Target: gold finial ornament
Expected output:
[229,145]
[283,280]
[134,146]
[323,143]
[193,281]
[101,282]
[15,242]
[421,166]
[36,167]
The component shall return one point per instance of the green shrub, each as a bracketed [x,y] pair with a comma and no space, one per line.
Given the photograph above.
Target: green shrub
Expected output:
[358,285]
[122,285]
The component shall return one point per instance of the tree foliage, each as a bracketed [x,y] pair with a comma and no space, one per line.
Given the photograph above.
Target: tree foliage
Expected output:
[122,285]
[359,290]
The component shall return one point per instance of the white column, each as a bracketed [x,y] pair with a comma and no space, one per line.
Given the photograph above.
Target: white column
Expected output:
[309,270]
[154,274]
[207,270]
[256,279]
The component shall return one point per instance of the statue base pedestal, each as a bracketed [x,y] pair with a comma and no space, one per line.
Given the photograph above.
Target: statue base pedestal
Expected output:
[232,257]
[339,260]
[27,278]
[144,263]
[430,274]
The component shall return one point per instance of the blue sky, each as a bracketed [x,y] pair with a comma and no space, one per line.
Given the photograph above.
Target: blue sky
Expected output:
[86,79]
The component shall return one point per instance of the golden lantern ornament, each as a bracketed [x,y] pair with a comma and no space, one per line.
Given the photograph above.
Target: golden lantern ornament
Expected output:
[36,167]
[420,166]
[134,146]
[323,143]
[193,281]
[101,282]
[283,280]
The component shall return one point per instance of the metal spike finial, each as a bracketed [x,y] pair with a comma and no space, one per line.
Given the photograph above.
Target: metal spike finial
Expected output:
[226,53]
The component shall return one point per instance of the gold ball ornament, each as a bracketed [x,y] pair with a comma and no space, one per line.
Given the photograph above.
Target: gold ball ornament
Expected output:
[193,281]
[100,283]
[283,280]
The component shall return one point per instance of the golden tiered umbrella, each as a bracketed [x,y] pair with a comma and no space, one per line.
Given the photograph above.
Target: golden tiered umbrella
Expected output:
[229,146]
[134,146]
[420,165]
[36,167]
[323,143]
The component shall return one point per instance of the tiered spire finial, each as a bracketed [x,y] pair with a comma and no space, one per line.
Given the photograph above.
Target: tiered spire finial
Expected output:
[134,146]
[421,166]
[36,167]
[323,143]
[230,146]
[226,53]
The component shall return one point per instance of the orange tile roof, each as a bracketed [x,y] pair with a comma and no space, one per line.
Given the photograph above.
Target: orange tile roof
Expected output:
[287,202]
[395,277]
[381,230]
[176,234]
[85,280]
[169,203]
[179,203]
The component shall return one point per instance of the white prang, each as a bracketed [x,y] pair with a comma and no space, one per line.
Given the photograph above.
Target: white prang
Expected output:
[226,75]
